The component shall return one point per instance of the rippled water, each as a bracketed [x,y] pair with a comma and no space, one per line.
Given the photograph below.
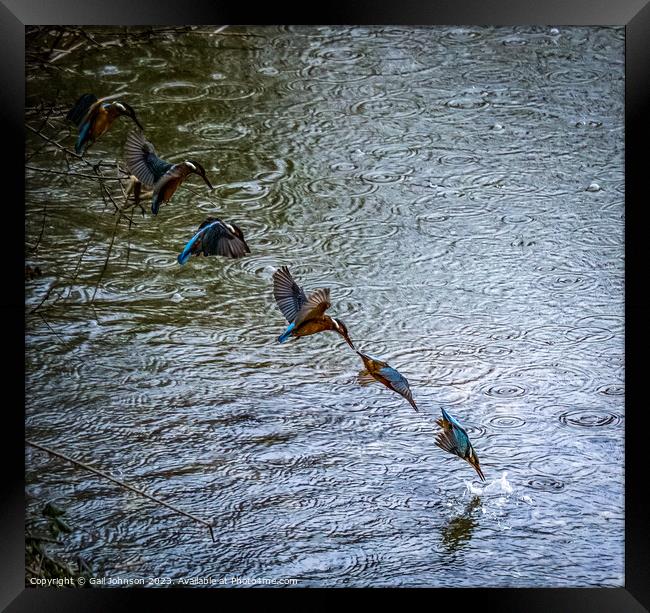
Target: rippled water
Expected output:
[436,179]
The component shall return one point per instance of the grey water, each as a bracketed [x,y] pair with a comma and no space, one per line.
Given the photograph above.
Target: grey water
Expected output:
[459,189]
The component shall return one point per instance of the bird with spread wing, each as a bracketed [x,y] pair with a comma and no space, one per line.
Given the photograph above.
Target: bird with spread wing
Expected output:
[94,116]
[157,174]
[305,314]
[215,237]
[376,370]
[454,439]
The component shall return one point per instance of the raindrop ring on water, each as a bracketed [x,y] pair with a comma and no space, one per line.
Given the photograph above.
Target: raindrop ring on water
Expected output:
[589,418]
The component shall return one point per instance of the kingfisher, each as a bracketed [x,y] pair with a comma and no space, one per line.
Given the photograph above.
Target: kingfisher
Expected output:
[376,370]
[215,237]
[154,173]
[94,116]
[453,438]
[305,314]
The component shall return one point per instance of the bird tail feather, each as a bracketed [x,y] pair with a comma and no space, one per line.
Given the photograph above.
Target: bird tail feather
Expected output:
[446,415]
[286,334]
[446,442]
[80,145]
[185,254]
[77,113]
[365,378]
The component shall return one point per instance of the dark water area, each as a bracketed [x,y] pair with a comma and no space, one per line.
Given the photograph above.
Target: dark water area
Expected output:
[460,190]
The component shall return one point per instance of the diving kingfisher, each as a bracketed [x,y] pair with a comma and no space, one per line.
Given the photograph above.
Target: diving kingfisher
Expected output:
[305,314]
[94,116]
[453,438]
[154,173]
[215,237]
[376,370]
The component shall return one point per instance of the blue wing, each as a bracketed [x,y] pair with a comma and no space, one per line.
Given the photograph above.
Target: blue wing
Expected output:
[398,382]
[216,238]
[185,254]
[142,161]
[393,376]
[81,139]
[451,419]
[155,203]
[459,433]
[287,333]
[462,440]
[221,238]
[80,109]
[289,296]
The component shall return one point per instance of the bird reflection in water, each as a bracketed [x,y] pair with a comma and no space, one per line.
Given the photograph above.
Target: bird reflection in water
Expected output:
[459,529]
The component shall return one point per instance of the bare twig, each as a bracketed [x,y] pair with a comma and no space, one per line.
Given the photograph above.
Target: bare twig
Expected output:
[47,295]
[61,341]
[108,255]
[71,174]
[122,484]
[65,52]
[47,117]
[40,235]
[83,252]
[59,36]
[61,147]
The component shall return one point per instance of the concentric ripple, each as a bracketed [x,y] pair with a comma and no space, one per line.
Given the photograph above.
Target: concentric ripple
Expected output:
[589,418]
[504,390]
[567,76]
[338,188]
[215,132]
[462,36]
[545,484]
[395,107]
[179,91]
[507,422]
[612,390]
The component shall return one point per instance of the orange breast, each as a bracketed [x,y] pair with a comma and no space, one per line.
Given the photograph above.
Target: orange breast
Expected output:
[102,122]
[311,327]
[169,188]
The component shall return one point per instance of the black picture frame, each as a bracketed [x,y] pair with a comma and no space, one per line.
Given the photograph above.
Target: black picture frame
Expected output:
[633,14]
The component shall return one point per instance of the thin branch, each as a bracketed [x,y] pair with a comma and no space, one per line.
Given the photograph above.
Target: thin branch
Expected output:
[40,235]
[83,252]
[71,174]
[65,52]
[47,295]
[53,142]
[61,341]
[131,488]
[108,255]
[59,36]
[47,117]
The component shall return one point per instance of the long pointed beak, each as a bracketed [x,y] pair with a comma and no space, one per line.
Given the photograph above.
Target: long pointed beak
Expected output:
[207,182]
[348,340]
[479,471]
[138,123]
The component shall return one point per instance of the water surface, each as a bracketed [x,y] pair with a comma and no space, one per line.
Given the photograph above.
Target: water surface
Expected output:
[437,179]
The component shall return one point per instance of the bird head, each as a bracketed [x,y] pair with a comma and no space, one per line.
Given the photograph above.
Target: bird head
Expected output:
[236,230]
[196,168]
[371,363]
[126,109]
[472,458]
[341,328]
